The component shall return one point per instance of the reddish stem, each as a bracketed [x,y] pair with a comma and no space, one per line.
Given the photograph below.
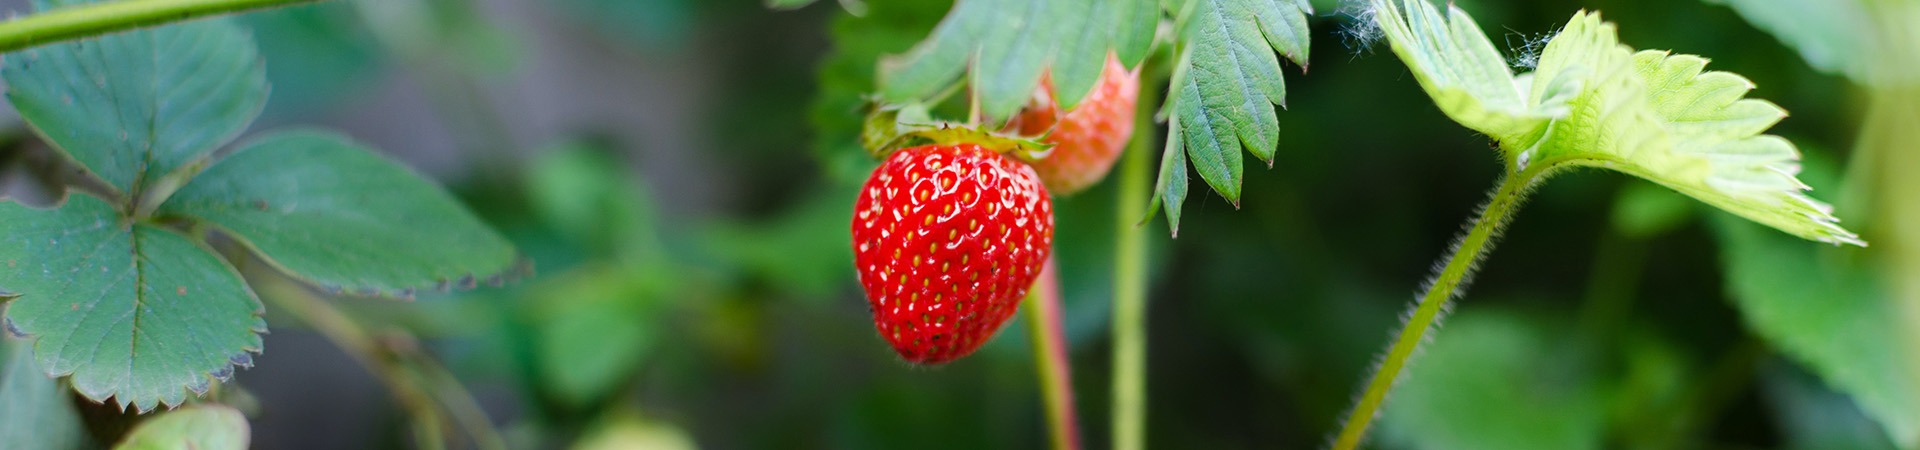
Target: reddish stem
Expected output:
[1050,358]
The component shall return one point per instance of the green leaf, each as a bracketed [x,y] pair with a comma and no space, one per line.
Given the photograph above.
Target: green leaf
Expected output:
[132,312]
[847,75]
[1497,380]
[331,212]
[49,421]
[322,57]
[1463,72]
[1645,210]
[1831,314]
[1811,416]
[1650,114]
[201,427]
[1225,87]
[594,326]
[1170,190]
[1005,45]
[594,200]
[131,107]
[1835,36]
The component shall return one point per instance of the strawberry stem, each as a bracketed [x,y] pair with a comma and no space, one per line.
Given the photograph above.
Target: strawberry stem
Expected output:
[84,21]
[1444,287]
[1050,358]
[1130,280]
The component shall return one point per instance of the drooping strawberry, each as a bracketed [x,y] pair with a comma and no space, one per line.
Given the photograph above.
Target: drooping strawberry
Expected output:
[947,239]
[1089,138]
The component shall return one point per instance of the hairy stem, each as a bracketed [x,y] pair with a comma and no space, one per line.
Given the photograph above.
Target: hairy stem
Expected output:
[1130,278]
[1050,358]
[79,22]
[1459,267]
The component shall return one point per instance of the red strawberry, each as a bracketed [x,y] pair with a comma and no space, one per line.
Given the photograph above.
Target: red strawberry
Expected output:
[947,239]
[1090,137]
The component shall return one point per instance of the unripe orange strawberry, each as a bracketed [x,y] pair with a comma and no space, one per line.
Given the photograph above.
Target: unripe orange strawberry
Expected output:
[947,239]
[1089,138]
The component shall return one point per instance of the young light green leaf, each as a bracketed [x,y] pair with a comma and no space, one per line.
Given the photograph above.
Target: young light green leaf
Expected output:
[49,420]
[132,312]
[1463,72]
[1006,45]
[130,107]
[332,212]
[1651,114]
[1497,380]
[1225,87]
[1837,319]
[200,427]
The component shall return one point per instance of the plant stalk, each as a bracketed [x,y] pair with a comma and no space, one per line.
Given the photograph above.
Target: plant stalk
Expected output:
[1130,275]
[1050,358]
[79,22]
[1459,267]
[408,373]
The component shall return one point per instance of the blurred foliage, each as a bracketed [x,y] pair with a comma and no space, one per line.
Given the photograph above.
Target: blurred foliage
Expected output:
[38,410]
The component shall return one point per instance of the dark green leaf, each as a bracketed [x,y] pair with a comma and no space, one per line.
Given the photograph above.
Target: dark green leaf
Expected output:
[1227,83]
[134,313]
[1008,43]
[39,413]
[131,107]
[200,427]
[329,211]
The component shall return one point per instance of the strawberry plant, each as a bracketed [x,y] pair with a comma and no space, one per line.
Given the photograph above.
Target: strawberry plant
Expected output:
[975,158]
[1589,101]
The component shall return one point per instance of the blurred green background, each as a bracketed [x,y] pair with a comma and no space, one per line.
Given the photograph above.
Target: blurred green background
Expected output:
[681,173]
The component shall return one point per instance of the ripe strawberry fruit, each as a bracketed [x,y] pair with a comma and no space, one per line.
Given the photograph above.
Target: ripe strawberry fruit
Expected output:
[1089,138]
[947,239]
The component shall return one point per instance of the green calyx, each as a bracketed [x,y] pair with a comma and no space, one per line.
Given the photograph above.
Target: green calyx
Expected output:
[891,127]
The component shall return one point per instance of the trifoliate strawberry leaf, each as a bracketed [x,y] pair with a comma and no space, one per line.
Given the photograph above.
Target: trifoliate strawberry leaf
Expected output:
[1225,87]
[326,210]
[133,313]
[1653,115]
[200,427]
[131,107]
[1005,45]
[1836,317]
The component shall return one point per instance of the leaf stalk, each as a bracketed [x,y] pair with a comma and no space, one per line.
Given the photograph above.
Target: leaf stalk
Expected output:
[80,22]
[1505,201]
